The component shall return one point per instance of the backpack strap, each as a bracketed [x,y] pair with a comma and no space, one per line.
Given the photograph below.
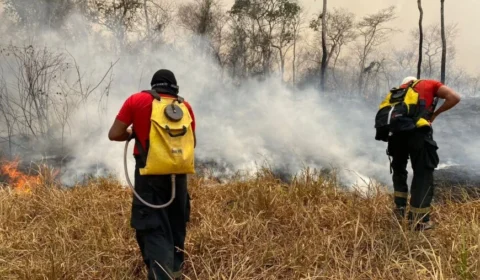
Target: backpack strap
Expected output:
[154,93]
[138,145]
[141,150]
[412,84]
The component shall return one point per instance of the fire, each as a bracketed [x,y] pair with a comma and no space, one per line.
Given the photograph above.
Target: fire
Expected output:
[19,180]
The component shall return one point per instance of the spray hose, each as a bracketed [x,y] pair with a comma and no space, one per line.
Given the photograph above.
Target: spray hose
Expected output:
[133,188]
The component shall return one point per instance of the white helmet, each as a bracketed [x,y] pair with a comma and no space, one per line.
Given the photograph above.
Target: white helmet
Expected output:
[408,79]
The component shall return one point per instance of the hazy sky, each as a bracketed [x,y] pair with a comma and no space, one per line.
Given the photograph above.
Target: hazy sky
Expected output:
[462,12]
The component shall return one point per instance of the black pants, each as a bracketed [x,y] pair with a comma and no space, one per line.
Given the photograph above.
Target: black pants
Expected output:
[422,150]
[159,231]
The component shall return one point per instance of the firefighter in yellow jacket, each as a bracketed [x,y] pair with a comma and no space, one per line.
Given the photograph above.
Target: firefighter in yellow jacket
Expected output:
[418,145]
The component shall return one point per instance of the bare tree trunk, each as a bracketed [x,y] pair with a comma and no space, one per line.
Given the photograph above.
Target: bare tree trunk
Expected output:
[444,41]
[282,64]
[8,122]
[296,29]
[146,17]
[420,44]
[323,67]
[294,59]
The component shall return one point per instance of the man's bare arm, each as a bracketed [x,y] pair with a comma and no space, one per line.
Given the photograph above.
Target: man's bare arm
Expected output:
[119,131]
[451,99]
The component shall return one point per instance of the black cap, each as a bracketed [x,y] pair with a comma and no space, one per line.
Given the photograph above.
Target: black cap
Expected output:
[164,80]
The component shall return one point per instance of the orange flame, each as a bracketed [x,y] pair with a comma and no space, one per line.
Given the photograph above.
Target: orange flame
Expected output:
[20,181]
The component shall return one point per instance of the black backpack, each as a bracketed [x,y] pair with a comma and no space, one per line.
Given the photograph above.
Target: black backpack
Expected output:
[401,110]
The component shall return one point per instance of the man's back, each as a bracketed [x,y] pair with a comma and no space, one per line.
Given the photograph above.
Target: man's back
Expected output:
[427,90]
[137,110]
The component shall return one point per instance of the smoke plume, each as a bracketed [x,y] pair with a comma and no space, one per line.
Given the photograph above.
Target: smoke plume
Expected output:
[239,126]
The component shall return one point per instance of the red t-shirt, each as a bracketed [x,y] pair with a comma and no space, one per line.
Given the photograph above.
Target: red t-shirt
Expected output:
[137,110]
[427,90]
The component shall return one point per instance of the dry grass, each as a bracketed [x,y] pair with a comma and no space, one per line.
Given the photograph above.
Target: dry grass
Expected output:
[256,229]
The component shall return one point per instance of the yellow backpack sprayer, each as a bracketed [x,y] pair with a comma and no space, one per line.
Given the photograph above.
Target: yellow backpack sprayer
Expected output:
[172,143]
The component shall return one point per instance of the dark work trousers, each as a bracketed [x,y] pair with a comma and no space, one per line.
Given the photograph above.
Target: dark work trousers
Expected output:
[420,147]
[159,231]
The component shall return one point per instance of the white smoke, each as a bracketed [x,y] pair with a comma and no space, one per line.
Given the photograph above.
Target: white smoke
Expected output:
[247,125]
[239,126]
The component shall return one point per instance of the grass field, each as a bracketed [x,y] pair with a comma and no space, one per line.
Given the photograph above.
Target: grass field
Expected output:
[260,228]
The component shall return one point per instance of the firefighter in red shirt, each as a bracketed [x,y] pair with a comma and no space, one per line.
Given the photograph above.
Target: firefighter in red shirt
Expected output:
[422,150]
[158,231]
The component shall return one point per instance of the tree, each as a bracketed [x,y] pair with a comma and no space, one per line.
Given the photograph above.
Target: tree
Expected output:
[8,114]
[373,32]
[286,35]
[341,31]
[160,16]
[147,18]
[405,60]
[33,16]
[432,48]
[200,16]
[238,57]
[205,18]
[117,16]
[297,24]
[323,67]
[444,41]
[40,90]
[420,44]
[268,26]
[135,24]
